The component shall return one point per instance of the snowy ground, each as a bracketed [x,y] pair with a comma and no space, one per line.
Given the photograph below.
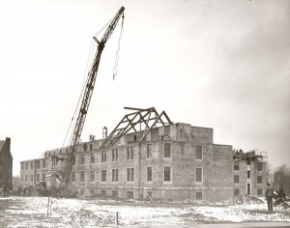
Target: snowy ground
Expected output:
[32,212]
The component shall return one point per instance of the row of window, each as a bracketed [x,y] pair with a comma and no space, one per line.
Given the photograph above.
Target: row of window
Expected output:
[130,154]
[25,178]
[167,175]
[259,191]
[25,165]
[237,178]
[130,194]
[259,165]
[85,147]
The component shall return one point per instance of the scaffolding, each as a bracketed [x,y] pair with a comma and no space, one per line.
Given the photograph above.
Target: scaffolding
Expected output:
[253,155]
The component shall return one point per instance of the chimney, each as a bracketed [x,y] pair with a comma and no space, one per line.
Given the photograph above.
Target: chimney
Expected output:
[8,142]
[105,132]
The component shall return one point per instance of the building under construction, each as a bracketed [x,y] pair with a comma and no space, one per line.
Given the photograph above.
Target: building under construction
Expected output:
[148,156]
[145,156]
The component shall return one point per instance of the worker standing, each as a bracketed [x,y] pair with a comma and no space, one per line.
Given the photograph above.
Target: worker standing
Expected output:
[269,197]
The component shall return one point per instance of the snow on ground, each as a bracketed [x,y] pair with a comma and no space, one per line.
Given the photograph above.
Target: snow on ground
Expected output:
[32,212]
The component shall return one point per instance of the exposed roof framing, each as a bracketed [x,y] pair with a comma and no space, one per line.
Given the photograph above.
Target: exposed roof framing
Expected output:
[147,119]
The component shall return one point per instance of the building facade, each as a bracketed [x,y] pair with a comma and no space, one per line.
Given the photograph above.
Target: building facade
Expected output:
[6,165]
[33,173]
[250,175]
[172,161]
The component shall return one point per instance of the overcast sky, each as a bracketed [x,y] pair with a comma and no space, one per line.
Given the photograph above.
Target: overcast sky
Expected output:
[218,64]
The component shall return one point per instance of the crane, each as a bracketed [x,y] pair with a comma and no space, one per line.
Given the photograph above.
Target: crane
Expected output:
[65,170]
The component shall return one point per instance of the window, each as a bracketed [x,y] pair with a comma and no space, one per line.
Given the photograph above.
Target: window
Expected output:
[130,194]
[92,192]
[73,176]
[259,179]
[149,174]
[115,155]
[43,163]
[22,166]
[54,161]
[114,175]
[198,152]
[91,146]
[248,188]
[85,146]
[198,195]
[236,166]
[43,177]
[167,150]
[37,177]
[130,174]
[26,165]
[103,192]
[82,176]
[31,165]
[92,176]
[104,175]
[248,161]
[104,156]
[38,164]
[249,174]
[198,175]
[130,153]
[236,179]
[22,177]
[82,159]
[149,150]
[73,159]
[236,192]
[167,174]
[92,158]
[259,166]
[259,192]
[26,178]
[31,177]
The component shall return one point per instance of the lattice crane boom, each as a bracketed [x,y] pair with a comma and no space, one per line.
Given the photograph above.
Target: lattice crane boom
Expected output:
[92,79]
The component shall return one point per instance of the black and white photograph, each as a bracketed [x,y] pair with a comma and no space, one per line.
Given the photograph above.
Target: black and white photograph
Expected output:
[145,113]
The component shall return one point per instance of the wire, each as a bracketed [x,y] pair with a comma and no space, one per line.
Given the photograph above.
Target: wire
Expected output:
[89,60]
[103,27]
[117,53]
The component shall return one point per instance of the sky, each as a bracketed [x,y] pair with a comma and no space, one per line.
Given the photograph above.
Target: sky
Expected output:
[218,64]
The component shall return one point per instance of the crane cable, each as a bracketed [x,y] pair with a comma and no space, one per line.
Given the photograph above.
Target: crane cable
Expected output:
[89,62]
[117,53]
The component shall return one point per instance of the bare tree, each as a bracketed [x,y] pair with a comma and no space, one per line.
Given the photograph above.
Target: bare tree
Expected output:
[282,178]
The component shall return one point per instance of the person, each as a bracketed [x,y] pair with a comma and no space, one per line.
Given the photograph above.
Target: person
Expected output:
[269,197]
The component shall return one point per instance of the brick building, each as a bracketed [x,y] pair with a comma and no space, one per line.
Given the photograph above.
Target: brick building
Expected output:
[6,164]
[250,176]
[165,161]
[33,173]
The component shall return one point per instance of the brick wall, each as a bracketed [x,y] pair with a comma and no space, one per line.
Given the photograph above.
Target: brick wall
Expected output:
[6,165]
